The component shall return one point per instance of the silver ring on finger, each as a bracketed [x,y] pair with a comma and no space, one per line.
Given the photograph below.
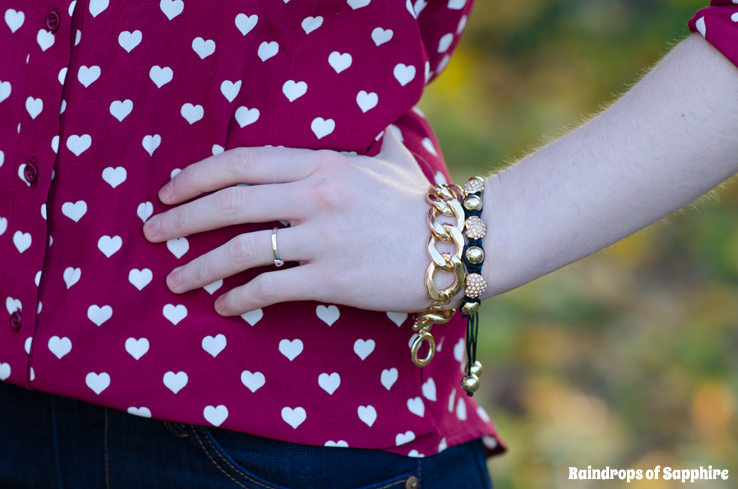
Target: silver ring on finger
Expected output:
[278,262]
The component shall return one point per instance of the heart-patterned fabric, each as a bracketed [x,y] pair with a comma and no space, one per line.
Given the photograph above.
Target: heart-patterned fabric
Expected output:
[97,115]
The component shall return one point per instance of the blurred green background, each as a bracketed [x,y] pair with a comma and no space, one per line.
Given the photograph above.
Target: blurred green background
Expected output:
[626,359]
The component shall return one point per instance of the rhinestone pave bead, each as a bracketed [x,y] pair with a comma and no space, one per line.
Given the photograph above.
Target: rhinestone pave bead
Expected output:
[473,186]
[475,228]
[475,285]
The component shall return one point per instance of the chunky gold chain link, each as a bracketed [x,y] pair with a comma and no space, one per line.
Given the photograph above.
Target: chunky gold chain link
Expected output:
[444,200]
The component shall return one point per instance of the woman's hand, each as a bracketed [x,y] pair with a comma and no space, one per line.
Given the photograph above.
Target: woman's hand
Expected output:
[357,226]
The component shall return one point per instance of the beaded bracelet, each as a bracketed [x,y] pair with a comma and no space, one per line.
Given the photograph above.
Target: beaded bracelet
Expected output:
[473,258]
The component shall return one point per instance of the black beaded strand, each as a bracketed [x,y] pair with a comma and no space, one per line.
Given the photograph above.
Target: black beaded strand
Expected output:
[473,259]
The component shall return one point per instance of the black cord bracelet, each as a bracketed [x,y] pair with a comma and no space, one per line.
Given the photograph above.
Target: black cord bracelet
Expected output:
[475,284]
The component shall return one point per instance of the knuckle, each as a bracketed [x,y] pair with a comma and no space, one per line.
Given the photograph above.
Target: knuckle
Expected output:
[231,200]
[266,289]
[325,194]
[241,159]
[179,218]
[241,249]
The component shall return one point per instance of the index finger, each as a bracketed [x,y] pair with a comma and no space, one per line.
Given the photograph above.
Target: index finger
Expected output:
[241,165]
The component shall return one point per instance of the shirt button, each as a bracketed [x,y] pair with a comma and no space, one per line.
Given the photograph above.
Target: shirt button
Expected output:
[412,483]
[15,320]
[52,21]
[30,172]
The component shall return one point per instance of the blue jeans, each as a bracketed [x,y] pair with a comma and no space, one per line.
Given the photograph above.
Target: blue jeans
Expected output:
[48,441]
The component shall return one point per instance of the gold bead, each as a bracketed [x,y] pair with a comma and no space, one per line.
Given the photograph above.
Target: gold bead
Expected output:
[470,383]
[475,255]
[473,203]
[470,308]
[476,369]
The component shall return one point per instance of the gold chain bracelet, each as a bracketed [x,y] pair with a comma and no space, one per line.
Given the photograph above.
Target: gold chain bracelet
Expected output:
[444,200]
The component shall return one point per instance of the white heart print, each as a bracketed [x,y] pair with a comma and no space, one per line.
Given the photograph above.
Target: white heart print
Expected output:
[151,143]
[175,382]
[45,39]
[4,371]
[121,109]
[294,417]
[60,347]
[254,381]
[416,406]
[114,176]
[161,76]
[398,318]
[389,377]
[14,19]
[175,314]
[364,348]
[99,315]
[230,89]
[79,144]
[98,6]
[97,382]
[322,127]
[328,315]
[143,412]
[214,345]
[87,76]
[294,90]
[178,246]
[171,8]
[290,349]
[367,414]
[129,40]
[429,389]
[404,74]
[140,278]
[309,24]
[192,113]
[329,383]
[109,245]
[202,47]
[381,36]
[22,241]
[367,101]
[74,211]
[339,62]
[137,347]
[403,438]
[268,50]
[253,317]
[215,415]
[34,106]
[246,116]
[145,210]
[72,276]
[246,23]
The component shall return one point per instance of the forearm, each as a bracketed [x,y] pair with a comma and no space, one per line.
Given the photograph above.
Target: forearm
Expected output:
[670,139]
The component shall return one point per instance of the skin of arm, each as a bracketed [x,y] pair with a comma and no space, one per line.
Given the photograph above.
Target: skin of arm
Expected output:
[671,138]
[358,223]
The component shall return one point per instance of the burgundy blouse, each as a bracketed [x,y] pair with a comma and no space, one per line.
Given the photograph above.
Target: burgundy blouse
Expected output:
[101,101]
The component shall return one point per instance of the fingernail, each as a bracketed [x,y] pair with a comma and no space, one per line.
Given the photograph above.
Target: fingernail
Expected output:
[151,228]
[175,278]
[166,191]
[220,305]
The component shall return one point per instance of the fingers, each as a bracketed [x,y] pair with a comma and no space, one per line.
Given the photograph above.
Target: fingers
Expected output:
[292,284]
[229,206]
[240,165]
[245,251]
